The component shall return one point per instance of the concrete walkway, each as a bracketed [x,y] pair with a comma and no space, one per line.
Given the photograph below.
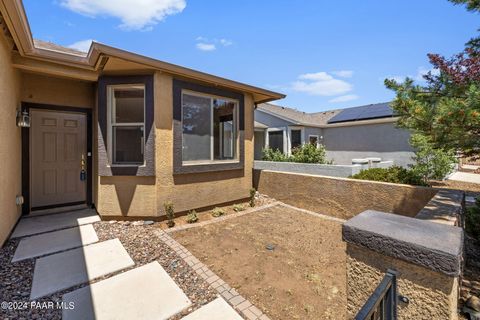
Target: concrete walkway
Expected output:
[465,177]
[68,253]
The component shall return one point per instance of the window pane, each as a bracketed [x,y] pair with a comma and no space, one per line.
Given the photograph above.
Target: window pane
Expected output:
[129,105]
[296,138]
[196,121]
[223,129]
[275,140]
[127,145]
[313,140]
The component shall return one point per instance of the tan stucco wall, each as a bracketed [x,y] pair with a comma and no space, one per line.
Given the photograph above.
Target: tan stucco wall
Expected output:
[340,197]
[134,196]
[10,142]
[432,295]
[57,91]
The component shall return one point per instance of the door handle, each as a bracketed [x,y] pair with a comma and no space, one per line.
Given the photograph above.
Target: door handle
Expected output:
[83,172]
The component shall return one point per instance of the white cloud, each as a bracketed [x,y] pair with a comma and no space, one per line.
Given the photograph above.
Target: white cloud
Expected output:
[345,98]
[419,76]
[83,45]
[134,14]
[321,84]
[206,46]
[343,73]
[226,42]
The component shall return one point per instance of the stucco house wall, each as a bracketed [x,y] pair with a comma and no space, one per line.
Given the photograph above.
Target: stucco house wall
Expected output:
[145,196]
[10,144]
[370,140]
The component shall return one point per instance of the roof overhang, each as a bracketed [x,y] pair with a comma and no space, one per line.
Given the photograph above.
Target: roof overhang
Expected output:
[16,20]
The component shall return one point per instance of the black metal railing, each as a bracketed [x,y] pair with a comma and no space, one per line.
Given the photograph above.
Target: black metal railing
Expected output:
[382,304]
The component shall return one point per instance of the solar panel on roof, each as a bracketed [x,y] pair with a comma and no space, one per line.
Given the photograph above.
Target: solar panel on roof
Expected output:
[364,112]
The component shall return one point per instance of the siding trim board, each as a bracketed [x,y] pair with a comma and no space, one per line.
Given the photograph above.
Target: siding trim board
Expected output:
[104,168]
[178,166]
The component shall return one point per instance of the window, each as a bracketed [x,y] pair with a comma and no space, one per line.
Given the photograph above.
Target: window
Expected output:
[209,128]
[126,124]
[296,138]
[275,140]
[313,140]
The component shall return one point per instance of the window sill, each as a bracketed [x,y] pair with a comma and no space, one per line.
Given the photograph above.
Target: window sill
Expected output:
[199,167]
[201,162]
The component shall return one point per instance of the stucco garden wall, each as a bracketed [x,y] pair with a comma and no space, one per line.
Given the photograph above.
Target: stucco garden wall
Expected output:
[10,143]
[137,196]
[432,294]
[340,197]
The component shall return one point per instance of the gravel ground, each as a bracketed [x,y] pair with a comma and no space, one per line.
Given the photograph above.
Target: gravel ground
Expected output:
[139,241]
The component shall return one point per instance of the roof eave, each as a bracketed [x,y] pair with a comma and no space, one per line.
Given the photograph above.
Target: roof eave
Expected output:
[17,22]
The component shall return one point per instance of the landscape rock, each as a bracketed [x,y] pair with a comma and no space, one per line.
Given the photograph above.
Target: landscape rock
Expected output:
[473,303]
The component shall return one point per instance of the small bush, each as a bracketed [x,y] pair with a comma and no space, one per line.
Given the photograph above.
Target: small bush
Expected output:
[431,163]
[192,216]
[170,212]
[238,207]
[269,154]
[217,212]
[253,192]
[309,153]
[393,174]
[472,220]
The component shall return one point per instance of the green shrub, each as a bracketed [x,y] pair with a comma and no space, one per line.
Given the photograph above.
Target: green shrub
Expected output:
[430,163]
[309,153]
[170,212]
[472,220]
[269,154]
[217,212]
[393,174]
[238,207]
[253,192]
[192,216]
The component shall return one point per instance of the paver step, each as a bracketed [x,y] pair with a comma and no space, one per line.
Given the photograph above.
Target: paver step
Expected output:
[55,241]
[69,268]
[144,293]
[218,309]
[40,224]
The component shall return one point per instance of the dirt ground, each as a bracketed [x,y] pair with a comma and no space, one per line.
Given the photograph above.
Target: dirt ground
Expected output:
[303,277]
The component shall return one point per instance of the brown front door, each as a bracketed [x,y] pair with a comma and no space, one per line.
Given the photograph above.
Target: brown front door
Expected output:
[57,147]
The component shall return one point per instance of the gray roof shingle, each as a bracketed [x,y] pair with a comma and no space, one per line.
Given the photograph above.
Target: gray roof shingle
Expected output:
[371,111]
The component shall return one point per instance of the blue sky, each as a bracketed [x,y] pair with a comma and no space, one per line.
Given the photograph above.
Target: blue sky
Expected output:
[322,54]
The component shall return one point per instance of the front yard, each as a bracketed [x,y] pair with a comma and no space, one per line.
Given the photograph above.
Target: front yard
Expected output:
[288,263]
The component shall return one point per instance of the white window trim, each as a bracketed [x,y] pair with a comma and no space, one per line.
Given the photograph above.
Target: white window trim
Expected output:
[212,144]
[316,136]
[302,137]
[111,123]
[285,137]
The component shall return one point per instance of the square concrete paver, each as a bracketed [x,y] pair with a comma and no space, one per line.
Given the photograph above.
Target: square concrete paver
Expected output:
[40,224]
[67,269]
[218,309]
[55,241]
[146,292]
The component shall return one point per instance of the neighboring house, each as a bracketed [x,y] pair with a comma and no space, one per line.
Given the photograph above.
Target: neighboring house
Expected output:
[351,133]
[116,130]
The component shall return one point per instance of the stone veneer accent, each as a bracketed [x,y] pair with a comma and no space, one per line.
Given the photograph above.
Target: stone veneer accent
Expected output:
[426,251]
[432,245]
